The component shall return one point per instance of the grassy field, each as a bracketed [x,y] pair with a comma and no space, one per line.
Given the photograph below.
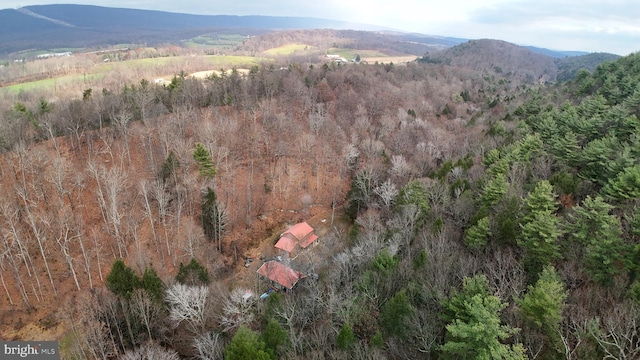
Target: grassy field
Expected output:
[228,62]
[389,59]
[155,67]
[222,41]
[288,49]
[50,83]
[185,61]
[350,53]
[166,67]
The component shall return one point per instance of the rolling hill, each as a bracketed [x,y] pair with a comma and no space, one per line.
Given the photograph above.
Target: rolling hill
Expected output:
[569,66]
[498,56]
[515,61]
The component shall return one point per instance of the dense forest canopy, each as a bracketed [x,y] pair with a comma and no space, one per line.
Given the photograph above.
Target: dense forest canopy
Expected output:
[461,214]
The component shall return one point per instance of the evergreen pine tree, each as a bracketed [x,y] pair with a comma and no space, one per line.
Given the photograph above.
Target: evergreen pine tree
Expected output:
[543,303]
[474,330]
[205,164]
[121,279]
[346,338]
[540,228]
[245,345]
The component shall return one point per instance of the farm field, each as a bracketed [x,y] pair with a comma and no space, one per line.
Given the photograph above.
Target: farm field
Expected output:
[388,59]
[207,73]
[97,73]
[131,70]
[216,41]
[288,49]
[352,53]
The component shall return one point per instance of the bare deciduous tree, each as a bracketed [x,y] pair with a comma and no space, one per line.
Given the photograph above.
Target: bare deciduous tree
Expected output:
[150,351]
[400,168]
[162,198]
[64,239]
[148,311]
[351,155]
[144,191]
[208,345]
[188,303]
[387,191]
[41,238]
[110,192]
[194,237]
[237,309]
[121,121]
[618,333]
[16,249]
[90,323]
[6,255]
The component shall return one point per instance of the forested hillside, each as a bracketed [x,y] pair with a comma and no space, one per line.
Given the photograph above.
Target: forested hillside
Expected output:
[512,61]
[499,57]
[461,214]
[568,66]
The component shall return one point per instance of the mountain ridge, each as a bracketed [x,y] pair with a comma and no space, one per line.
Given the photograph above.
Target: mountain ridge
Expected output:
[46,27]
[38,16]
[512,60]
[50,26]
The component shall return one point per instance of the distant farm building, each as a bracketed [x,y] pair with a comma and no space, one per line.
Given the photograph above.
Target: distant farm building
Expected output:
[280,274]
[336,58]
[61,54]
[300,235]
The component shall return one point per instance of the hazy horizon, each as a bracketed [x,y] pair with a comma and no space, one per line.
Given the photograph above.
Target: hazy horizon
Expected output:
[570,25]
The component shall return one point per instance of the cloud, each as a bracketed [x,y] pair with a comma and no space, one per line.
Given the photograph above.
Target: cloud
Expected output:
[519,12]
[568,24]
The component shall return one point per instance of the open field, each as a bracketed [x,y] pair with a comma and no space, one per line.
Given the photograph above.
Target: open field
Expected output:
[221,41]
[135,70]
[96,74]
[54,83]
[214,60]
[388,59]
[288,49]
[351,53]
[207,73]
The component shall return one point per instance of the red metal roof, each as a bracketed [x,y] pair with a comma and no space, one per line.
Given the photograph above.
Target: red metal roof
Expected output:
[299,230]
[280,273]
[287,243]
[308,240]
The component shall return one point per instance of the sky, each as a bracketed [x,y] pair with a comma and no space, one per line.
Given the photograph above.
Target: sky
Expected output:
[586,25]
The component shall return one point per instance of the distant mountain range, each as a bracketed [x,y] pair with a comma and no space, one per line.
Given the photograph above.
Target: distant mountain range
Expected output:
[74,26]
[49,27]
[557,54]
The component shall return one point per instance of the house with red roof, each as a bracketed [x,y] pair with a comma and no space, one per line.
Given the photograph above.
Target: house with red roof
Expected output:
[280,273]
[299,236]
